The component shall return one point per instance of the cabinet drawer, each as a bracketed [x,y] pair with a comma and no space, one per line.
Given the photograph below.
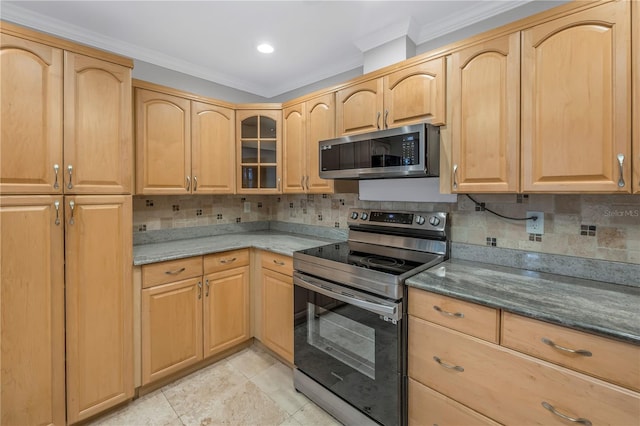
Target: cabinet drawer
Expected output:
[226,260]
[511,387]
[277,262]
[428,407]
[610,360]
[172,270]
[470,318]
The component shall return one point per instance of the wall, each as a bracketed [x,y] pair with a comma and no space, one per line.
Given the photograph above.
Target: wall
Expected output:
[590,226]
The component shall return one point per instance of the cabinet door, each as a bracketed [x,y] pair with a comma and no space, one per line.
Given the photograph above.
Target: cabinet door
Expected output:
[576,98]
[98,142]
[635,41]
[277,313]
[320,125]
[99,299]
[32,311]
[213,152]
[163,143]
[294,156]
[226,309]
[485,128]
[359,108]
[171,328]
[31,141]
[415,94]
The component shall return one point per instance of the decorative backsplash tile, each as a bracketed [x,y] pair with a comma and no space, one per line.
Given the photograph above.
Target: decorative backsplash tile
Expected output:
[592,226]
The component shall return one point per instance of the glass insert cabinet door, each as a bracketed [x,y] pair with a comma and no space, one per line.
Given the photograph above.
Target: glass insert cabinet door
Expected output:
[259,150]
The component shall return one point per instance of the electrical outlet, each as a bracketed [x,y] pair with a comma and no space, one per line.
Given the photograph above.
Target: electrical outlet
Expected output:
[535,226]
[247,207]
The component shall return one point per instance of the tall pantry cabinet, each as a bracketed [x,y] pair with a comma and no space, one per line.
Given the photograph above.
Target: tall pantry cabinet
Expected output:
[66,218]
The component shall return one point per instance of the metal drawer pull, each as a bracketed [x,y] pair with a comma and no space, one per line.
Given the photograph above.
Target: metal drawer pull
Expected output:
[207,291]
[455,176]
[188,183]
[195,183]
[386,116]
[199,290]
[378,120]
[55,169]
[57,205]
[621,162]
[451,314]
[582,352]
[176,272]
[225,261]
[277,262]
[72,206]
[449,366]
[550,407]
[70,170]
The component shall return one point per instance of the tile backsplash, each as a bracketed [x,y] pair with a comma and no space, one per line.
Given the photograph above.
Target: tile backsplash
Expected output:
[603,227]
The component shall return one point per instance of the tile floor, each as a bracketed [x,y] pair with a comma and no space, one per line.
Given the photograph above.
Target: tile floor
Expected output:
[249,388]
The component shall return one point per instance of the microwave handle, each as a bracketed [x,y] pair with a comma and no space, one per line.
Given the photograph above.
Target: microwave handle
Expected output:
[388,311]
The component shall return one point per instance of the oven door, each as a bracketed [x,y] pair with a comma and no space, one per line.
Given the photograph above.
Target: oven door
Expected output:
[351,343]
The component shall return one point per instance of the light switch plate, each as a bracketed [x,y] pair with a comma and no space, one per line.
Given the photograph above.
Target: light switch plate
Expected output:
[535,226]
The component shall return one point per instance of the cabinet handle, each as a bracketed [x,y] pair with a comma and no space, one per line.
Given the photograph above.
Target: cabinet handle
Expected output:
[277,262]
[199,289]
[188,183]
[302,182]
[449,366]
[57,205]
[621,163]
[176,272]
[551,408]
[195,183]
[451,314]
[226,261]
[378,120]
[582,352]
[56,185]
[72,206]
[278,184]
[386,115]
[206,294]
[70,170]
[455,176]
[307,182]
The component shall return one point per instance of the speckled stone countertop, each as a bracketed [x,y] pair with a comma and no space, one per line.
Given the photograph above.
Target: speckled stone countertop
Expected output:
[275,241]
[610,310]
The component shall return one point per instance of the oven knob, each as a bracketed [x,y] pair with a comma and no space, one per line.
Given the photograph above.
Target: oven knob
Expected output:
[420,220]
[364,216]
[354,215]
[433,220]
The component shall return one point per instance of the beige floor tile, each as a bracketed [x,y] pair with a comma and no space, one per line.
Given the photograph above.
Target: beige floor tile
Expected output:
[251,361]
[152,409]
[312,415]
[277,383]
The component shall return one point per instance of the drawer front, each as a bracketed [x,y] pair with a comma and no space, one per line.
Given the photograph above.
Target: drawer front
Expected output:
[470,318]
[428,407]
[170,271]
[608,359]
[277,262]
[510,387]
[227,260]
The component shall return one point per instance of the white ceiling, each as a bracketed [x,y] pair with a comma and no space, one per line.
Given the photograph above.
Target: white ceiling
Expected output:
[216,40]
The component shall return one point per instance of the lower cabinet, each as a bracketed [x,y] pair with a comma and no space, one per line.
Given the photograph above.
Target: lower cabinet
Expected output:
[277,304]
[201,311]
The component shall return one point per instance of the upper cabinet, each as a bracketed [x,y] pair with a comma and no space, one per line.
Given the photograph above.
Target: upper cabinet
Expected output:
[485,116]
[183,146]
[259,151]
[576,102]
[92,154]
[635,52]
[407,96]
[305,124]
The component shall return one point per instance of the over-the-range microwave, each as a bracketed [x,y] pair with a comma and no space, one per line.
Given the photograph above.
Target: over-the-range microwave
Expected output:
[408,151]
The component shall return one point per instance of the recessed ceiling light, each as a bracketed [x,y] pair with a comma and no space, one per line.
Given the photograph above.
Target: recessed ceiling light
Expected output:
[265,48]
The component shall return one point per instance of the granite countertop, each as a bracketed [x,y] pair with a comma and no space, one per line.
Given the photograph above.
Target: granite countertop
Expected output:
[610,310]
[275,241]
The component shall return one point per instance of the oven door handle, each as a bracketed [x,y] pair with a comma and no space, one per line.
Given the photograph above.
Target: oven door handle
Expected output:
[390,312]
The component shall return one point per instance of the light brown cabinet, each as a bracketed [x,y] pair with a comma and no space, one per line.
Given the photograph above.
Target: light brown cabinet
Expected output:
[406,96]
[183,146]
[485,122]
[305,124]
[576,102]
[32,311]
[635,84]
[277,304]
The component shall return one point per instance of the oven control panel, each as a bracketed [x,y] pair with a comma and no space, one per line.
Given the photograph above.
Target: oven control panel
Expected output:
[435,221]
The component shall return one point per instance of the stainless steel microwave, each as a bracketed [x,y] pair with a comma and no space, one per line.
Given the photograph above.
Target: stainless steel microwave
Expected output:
[408,151]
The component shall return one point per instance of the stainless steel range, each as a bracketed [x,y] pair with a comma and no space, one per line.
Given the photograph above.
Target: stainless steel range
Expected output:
[349,332]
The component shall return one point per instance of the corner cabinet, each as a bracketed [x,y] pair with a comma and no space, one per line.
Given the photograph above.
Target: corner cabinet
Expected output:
[576,139]
[259,151]
[406,96]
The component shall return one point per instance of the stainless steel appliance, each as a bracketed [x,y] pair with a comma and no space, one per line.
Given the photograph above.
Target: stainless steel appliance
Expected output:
[408,151]
[349,332]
